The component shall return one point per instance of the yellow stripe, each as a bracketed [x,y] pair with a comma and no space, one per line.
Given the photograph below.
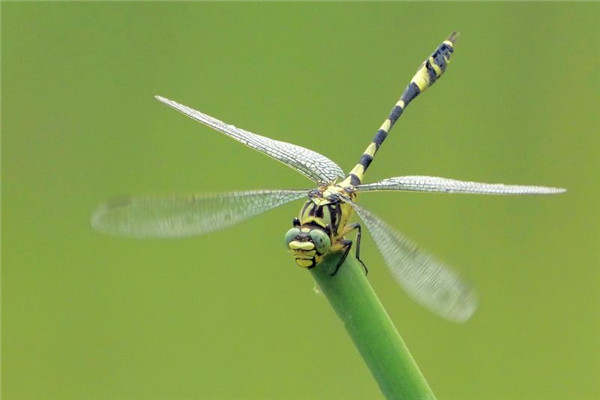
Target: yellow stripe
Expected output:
[400,104]
[421,79]
[449,43]
[296,245]
[371,149]
[386,125]
[358,170]
[436,68]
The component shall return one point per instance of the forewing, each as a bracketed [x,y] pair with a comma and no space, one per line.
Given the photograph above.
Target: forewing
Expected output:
[445,185]
[180,216]
[309,163]
[428,281]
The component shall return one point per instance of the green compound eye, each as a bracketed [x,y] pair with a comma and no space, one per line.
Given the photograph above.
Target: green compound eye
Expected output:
[321,240]
[290,235]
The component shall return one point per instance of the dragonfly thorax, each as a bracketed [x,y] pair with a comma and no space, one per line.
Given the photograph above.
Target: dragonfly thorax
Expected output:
[327,209]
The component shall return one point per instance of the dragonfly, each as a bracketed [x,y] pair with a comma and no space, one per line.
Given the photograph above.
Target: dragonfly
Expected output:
[323,224]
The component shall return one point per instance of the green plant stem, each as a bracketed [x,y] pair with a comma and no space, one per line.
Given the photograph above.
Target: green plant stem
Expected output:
[371,329]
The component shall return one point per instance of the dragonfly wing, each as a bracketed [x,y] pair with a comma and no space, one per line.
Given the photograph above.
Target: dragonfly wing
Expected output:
[180,216]
[428,281]
[445,185]
[309,163]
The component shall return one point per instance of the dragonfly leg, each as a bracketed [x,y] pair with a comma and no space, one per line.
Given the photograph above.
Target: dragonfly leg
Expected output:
[358,227]
[347,244]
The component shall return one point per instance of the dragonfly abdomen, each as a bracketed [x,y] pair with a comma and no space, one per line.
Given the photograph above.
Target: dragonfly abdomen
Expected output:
[426,76]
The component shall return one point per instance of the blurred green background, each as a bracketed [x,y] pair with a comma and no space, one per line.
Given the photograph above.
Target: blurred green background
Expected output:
[229,315]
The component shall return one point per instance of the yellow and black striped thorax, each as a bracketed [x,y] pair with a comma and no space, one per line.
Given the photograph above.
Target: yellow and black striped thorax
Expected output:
[325,209]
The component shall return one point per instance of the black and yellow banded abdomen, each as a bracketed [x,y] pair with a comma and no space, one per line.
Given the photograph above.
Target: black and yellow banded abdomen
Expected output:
[426,76]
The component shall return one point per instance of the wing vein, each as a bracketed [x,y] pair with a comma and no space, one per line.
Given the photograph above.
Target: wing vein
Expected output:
[445,185]
[308,162]
[181,216]
[426,280]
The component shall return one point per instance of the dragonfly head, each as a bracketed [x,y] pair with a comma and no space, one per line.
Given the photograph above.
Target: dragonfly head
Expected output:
[307,243]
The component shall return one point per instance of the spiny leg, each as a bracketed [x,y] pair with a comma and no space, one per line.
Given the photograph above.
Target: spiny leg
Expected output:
[426,76]
[347,244]
[358,227]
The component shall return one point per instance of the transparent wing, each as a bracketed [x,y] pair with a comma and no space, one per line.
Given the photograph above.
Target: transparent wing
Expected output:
[309,163]
[445,185]
[179,216]
[428,281]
